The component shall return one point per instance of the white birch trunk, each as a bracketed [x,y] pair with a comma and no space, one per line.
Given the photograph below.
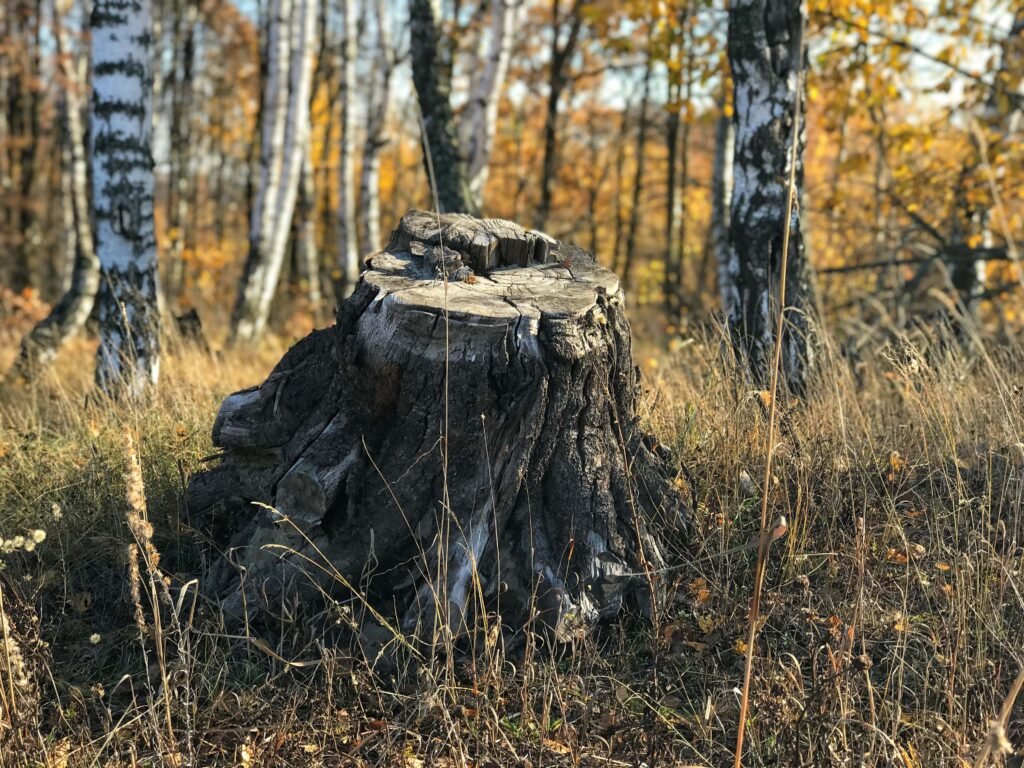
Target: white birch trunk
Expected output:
[285,133]
[766,54]
[376,135]
[721,195]
[128,359]
[480,118]
[348,256]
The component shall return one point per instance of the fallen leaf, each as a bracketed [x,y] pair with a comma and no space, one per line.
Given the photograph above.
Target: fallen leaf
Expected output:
[895,556]
[556,747]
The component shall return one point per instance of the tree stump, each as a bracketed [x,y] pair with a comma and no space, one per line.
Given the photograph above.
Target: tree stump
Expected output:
[464,439]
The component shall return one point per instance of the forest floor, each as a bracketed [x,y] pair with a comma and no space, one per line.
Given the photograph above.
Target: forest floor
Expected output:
[893,624]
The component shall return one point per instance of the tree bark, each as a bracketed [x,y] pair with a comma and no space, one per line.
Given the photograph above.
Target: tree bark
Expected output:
[376,130]
[443,160]
[766,54]
[180,156]
[42,343]
[480,118]
[128,359]
[1000,117]
[561,54]
[348,257]
[304,251]
[285,131]
[450,444]
[638,176]
[721,202]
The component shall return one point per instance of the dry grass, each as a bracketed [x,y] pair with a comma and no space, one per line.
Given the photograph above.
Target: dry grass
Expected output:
[892,615]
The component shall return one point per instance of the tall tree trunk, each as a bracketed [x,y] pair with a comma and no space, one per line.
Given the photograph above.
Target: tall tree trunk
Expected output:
[348,257]
[29,157]
[766,54]
[128,359]
[638,178]
[180,156]
[1000,117]
[480,118]
[284,132]
[376,131]
[431,75]
[721,202]
[673,209]
[561,54]
[596,182]
[42,343]
[307,262]
[620,182]
[684,186]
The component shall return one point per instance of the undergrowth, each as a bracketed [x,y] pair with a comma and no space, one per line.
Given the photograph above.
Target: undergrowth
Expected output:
[891,625]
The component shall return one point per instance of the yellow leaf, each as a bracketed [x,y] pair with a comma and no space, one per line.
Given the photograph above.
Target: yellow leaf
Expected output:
[556,747]
[895,556]
[740,646]
[943,566]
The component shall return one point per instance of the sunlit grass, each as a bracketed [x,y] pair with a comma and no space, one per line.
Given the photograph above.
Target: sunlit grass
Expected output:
[891,620]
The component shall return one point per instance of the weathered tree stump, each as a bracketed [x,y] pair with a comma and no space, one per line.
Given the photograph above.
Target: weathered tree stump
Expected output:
[451,446]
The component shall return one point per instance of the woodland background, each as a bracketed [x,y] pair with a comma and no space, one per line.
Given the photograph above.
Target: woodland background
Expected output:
[890,632]
[894,177]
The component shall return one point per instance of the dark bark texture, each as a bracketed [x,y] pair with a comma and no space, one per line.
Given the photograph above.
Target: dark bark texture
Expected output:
[450,446]
[431,74]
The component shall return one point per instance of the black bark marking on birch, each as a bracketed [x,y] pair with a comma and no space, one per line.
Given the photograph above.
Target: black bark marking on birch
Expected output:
[565,493]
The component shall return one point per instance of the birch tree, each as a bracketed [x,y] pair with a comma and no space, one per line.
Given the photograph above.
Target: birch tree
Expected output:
[42,343]
[376,137]
[766,55]
[284,133]
[995,127]
[721,194]
[480,117]
[348,261]
[121,117]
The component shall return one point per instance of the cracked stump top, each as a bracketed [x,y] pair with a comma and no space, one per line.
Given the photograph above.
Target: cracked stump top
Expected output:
[497,272]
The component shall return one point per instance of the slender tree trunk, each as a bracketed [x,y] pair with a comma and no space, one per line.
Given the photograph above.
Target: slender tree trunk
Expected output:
[180,166]
[128,359]
[431,75]
[721,203]
[480,118]
[284,132]
[684,187]
[41,345]
[597,183]
[620,182]
[673,210]
[1001,117]
[561,54]
[307,262]
[766,54]
[638,178]
[376,131]
[348,257]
